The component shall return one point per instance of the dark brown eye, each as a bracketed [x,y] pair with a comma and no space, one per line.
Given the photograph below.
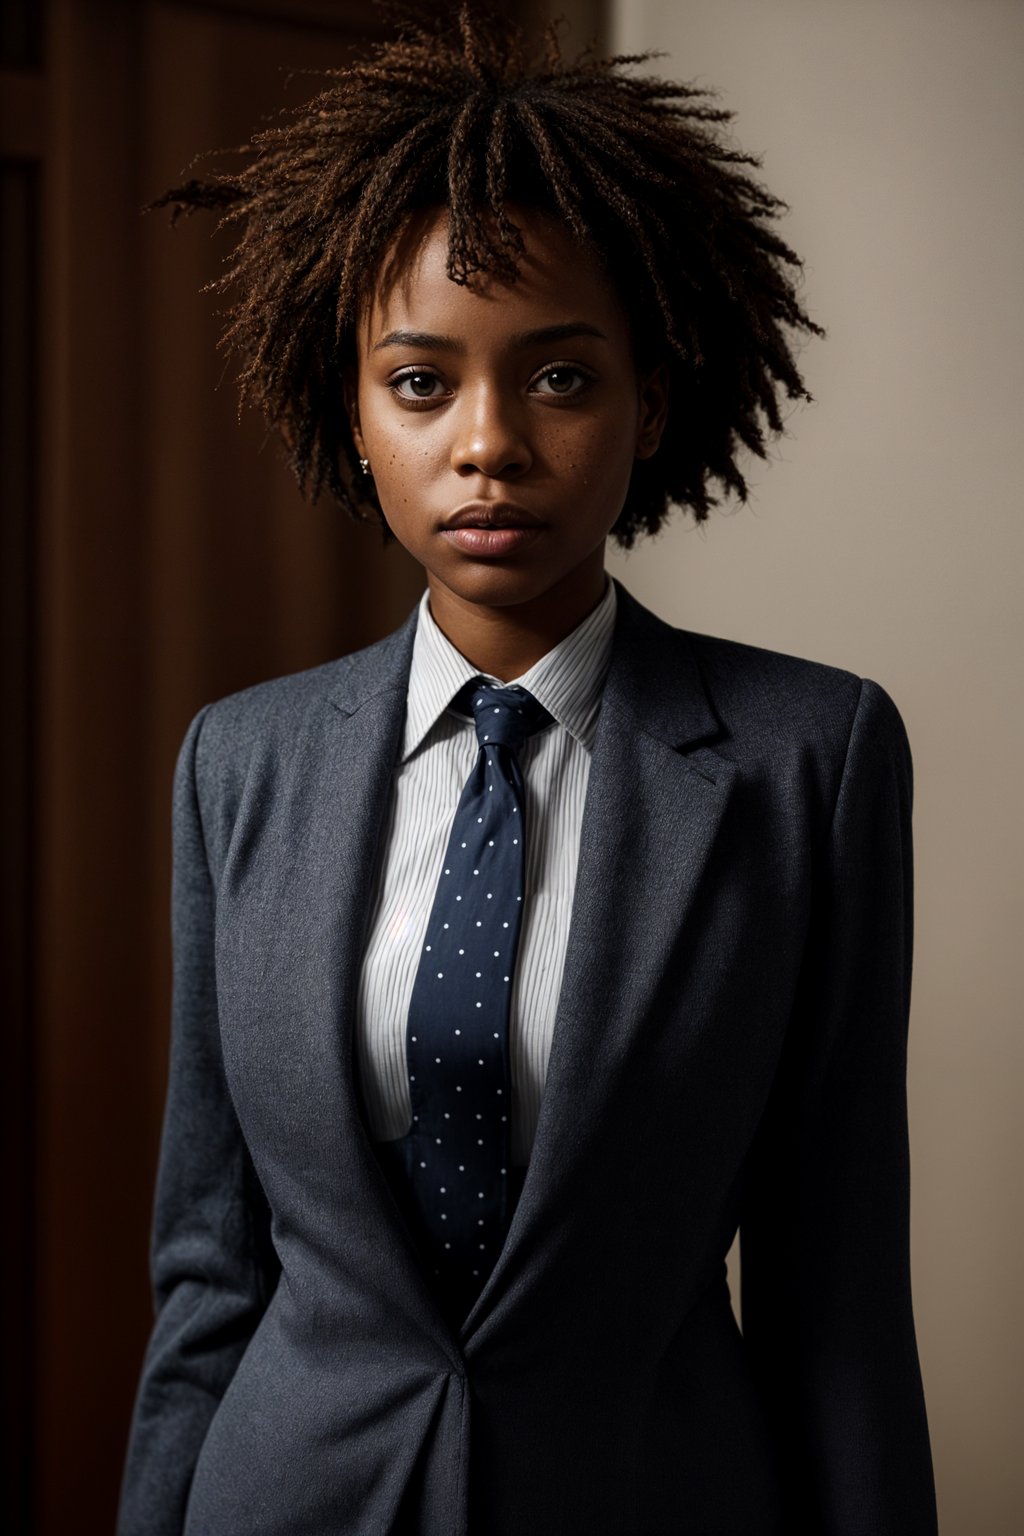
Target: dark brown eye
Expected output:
[420,385]
[560,381]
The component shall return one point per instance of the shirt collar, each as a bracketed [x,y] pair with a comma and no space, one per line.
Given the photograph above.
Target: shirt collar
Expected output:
[568,680]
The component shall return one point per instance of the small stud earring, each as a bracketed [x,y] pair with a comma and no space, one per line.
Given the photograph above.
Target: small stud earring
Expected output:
[364,465]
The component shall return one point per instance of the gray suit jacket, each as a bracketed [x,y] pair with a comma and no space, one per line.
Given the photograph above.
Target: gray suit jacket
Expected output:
[730,1050]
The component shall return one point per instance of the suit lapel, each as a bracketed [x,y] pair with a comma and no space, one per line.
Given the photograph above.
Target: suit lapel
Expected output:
[311,835]
[298,876]
[655,801]
[369,706]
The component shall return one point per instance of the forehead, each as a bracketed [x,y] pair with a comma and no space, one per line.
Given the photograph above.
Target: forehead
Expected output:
[559,281]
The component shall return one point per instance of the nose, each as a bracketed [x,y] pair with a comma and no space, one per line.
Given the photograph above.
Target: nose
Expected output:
[490,436]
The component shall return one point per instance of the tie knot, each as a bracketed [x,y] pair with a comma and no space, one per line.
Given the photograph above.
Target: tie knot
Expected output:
[504,717]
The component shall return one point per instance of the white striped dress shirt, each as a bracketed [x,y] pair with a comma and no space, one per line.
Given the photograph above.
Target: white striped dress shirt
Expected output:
[438,753]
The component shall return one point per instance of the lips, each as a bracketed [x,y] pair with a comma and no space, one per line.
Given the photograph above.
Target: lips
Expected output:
[488,529]
[490,514]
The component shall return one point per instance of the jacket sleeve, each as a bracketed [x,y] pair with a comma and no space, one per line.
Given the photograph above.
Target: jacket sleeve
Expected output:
[824,1234]
[212,1263]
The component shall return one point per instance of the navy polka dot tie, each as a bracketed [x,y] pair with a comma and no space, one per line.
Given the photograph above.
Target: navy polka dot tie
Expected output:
[457,1032]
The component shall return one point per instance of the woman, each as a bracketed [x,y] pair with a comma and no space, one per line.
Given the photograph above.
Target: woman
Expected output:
[523,957]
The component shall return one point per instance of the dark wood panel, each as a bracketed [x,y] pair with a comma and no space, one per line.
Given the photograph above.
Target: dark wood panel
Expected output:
[22,115]
[96,928]
[21,34]
[337,17]
[19,244]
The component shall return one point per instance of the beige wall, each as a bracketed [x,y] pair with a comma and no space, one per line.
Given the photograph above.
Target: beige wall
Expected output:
[887,538]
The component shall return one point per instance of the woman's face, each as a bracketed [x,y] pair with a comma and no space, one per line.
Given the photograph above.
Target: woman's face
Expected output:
[501,421]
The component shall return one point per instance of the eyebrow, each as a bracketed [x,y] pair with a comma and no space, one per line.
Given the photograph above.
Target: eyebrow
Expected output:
[438,343]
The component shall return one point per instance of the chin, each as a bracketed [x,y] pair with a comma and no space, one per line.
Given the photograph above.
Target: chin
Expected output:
[497,585]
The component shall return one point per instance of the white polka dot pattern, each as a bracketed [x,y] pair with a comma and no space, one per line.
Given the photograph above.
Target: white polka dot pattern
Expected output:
[457,1029]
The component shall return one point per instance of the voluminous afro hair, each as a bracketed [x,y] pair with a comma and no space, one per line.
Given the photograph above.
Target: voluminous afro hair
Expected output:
[459,112]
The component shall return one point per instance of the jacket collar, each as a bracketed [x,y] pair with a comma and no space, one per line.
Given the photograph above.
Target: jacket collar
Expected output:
[654,684]
[653,681]
[377,670]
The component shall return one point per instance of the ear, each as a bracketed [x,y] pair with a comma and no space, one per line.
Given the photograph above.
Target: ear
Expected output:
[350,397]
[652,398]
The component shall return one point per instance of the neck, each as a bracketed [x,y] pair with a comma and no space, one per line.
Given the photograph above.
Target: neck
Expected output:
[505,642]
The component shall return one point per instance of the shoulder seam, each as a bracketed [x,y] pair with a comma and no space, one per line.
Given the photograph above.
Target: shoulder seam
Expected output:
[846,756]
